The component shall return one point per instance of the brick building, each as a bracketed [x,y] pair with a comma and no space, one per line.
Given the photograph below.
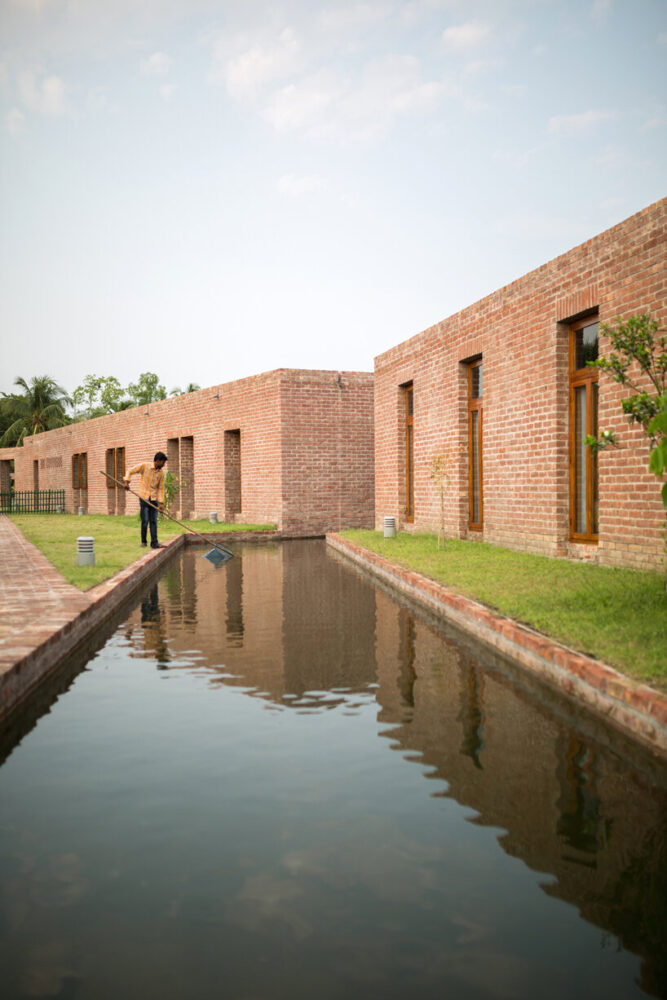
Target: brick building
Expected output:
[289,447]
[501,389]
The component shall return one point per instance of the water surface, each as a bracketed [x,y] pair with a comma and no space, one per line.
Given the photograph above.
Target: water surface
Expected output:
[277,781]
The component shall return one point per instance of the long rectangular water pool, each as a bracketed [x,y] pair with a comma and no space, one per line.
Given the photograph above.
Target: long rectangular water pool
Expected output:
[276,780]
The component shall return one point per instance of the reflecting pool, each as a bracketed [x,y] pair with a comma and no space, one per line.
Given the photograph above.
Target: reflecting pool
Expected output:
[276,780]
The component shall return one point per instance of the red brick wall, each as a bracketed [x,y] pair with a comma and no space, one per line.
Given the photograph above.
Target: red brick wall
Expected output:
[522,333]
[327,454]
[311,427]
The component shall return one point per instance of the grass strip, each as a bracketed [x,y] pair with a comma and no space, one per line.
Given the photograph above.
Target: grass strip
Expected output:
[117,540]
[616,615]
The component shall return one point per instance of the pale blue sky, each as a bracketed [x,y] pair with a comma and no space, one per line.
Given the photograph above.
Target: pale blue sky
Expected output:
[209,189]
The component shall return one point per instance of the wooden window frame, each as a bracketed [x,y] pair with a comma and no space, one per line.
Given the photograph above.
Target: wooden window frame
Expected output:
[586,378]
[115,466]
[80,471]
[408,411]
[475,405]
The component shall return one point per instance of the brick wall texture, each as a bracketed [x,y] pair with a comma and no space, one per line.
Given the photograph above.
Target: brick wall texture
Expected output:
[301,457]
[522,334]
[314,451]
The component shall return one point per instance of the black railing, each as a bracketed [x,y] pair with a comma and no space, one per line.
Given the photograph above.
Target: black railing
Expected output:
[32,502]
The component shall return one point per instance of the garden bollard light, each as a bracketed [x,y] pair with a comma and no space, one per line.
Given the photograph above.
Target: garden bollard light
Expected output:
[390,527]
[213,517]
[85,551]
[80,511]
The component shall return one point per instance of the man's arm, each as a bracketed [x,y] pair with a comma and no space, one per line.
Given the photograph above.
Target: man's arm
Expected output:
[132,472]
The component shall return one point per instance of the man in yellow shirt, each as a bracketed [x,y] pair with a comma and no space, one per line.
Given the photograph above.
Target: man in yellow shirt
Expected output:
[151,494]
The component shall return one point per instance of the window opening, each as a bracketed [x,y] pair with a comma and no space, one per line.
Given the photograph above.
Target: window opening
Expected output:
[408,399]
[115,461]
[80,471]
[475,463]
[232,474]
[583,421]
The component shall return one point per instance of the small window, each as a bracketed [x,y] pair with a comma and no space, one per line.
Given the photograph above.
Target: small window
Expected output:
[409,454]
[583,421]
[115,462]
[80,471]
[585,346]
[475,465]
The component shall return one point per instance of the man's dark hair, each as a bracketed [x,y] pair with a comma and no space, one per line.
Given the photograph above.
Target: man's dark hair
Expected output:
[160,456]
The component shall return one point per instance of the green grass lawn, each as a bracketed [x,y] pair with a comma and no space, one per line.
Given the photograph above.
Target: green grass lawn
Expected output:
[617,615]
[117,540]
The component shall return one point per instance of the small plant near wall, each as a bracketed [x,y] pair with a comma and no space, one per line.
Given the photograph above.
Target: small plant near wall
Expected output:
[639,349]
[441,469]
[172,487]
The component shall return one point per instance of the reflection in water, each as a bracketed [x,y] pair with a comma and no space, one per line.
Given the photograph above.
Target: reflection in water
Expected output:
[234,584]
[471,714]
[406,658]
[242,806]
[154,628]
[581,824]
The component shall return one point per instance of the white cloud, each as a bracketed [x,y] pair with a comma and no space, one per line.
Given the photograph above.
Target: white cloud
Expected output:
[347,108]
[569,124]
[46,95]
[658,119]
[466,36]
[249,71]
[14,120]
[297,107]
[294,186]
[166,90]
[157,64]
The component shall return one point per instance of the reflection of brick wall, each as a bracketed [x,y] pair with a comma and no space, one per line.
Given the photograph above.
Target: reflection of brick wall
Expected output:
[521,332]
[562,803]
[306,458]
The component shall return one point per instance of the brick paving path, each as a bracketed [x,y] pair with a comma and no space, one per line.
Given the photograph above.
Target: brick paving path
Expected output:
[35,601]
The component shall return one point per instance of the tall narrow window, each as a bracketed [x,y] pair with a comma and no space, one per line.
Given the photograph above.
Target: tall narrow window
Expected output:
[115,466]
[409,454]
[583,421]
[475,493]
[80,471]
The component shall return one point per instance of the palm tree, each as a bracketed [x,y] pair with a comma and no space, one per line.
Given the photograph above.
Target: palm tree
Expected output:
[190,387]
[40,407]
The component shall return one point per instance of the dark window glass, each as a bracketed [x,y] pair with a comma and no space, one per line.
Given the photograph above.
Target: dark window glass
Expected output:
[586,345]
[476,386]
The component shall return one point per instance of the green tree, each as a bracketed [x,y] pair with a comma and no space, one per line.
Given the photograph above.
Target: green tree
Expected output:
[40,407]
[190,387]
[636,346]
[638,360]
[146,389]
[98,395]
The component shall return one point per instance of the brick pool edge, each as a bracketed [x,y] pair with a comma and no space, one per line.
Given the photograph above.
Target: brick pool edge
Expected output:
[633,708]
[40,651]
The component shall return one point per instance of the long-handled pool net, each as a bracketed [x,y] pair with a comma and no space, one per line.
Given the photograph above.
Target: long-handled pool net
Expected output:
[218,554]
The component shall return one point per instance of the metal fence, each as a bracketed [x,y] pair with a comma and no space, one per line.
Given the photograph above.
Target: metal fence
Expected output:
[32,502]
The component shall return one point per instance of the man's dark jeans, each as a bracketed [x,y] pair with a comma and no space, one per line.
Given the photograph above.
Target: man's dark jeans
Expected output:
[148,517]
